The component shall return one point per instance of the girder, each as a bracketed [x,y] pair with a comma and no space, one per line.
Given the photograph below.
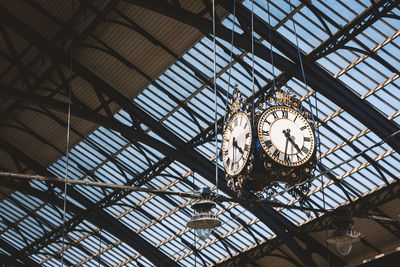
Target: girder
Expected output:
[188,157]
[92,213]
[316,77]
[171,141]
[323,82]
[376,11]
[12,250]
[265,214]
[366,203]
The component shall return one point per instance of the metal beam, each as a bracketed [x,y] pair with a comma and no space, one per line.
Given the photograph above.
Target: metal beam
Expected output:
[267,215]
[322,81]
[386,260]
[317,78]
[12,250]
[349,32]
[96,216]
[190,158]
[368,202]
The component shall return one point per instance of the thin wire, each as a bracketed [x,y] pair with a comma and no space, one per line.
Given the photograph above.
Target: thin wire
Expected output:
[215,99]
[194,233]
[301,60]
[271,47]
[252,57]
[67,145]
[341,163]
[100,247]
[230,58]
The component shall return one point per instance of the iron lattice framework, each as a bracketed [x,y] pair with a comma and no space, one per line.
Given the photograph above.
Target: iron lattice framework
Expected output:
[163,138]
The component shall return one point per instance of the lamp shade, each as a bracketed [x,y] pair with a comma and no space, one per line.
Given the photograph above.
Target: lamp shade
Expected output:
[203,220]
[344,240]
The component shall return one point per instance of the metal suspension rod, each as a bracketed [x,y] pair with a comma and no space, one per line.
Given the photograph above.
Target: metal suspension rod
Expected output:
[98,184]
[214,197]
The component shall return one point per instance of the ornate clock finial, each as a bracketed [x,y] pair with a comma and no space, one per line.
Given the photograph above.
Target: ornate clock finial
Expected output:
[237,103]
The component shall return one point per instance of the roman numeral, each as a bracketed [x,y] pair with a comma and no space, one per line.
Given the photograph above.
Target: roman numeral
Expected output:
[268,143]
[276,153]
[304,149]
[285,114]
[233,166]
[226,153]
[307,139]
[245,125]
[303,128]
[275,115]
[298,157]
[228,161]
[265,132]
[295,118]
[246,146]
[247,135]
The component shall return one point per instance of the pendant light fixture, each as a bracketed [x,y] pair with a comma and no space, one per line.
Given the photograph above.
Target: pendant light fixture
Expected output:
[344,240]
[203,221]
[344,236]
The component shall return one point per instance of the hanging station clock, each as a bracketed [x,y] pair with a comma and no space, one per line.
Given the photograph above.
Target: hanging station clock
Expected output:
[236,143]
[281,150]
[286,141]
[286,136]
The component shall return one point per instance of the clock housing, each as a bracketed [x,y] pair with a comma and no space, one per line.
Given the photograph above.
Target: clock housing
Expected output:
[236,143]
[286,143]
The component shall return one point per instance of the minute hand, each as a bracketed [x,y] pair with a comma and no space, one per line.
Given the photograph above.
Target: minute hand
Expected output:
[294,144]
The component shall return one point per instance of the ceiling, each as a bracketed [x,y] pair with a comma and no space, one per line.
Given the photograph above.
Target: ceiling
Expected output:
[138,75]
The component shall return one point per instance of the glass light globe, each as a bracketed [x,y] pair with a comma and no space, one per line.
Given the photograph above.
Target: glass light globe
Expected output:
[344,248]
[203,234]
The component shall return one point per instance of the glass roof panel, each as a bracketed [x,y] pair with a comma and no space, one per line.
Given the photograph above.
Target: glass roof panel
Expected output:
[182,100]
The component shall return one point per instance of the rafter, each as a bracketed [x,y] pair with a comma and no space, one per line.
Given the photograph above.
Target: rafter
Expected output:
[92,214]
[189,157]
[369,202]
[317,78]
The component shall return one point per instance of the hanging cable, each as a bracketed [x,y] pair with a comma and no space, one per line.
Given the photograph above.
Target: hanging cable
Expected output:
[67,145]
[341,163]
[301,61]
[309,103]
[252,58]
[271,46]
[215,98]
[66,176]
[100,247]
[230,59]
[194,232]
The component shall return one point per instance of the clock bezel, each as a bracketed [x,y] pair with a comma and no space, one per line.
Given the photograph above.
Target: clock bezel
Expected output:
[261,120]
[246,159]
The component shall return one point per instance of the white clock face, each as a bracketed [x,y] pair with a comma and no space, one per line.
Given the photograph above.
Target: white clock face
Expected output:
[286,136]
[236,143]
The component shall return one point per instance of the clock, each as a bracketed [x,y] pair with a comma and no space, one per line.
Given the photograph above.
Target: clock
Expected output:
[236,143]
[286,136]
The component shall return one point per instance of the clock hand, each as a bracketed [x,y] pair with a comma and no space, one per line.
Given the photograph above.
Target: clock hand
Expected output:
[233,149]
[294,144]
[235,144]
[287,135]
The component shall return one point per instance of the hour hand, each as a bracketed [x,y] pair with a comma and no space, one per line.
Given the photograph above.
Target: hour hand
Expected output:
[235,144]
[289,138]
